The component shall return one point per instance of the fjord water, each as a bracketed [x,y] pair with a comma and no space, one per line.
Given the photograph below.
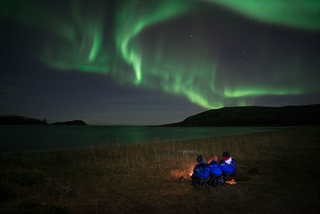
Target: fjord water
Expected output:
[45,138]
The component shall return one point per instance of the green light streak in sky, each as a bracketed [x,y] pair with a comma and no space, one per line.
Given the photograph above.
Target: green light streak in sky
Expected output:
[304,14]
[256,91]
[182,67]
[79,35]
[131,23]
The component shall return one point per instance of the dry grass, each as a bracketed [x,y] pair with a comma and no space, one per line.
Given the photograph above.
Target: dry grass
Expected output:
[278,173]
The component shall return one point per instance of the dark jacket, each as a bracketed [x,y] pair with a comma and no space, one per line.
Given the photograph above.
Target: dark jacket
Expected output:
[228,168]
[201,170]
[215,168]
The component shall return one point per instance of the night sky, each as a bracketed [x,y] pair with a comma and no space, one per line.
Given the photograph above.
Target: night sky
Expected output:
[155,61]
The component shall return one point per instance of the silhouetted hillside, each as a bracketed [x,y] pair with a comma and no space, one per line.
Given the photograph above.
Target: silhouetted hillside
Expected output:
[19,120]
[74,122]
[256,116]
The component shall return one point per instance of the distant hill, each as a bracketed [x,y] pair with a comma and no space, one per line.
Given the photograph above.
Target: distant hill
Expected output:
[20,120]
[74,122]
[255,116]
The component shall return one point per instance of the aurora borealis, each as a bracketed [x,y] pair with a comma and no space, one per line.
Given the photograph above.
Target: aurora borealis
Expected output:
[138,57]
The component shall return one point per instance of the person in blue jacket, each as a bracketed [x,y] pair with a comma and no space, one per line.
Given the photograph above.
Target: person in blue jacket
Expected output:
[215,171]
[201,172]
[228,166]
[215,168]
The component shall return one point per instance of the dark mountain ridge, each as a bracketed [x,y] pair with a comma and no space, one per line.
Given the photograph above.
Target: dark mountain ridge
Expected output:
[227,116]
[20,120]
[74,122]
[255,116]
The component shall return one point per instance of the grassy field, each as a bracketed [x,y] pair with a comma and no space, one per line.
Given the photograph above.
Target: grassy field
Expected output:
[278,173]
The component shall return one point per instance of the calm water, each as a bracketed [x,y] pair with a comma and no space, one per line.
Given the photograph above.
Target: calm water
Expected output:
[43,138]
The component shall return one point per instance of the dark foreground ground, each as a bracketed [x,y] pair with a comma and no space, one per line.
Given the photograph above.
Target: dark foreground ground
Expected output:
[278,173]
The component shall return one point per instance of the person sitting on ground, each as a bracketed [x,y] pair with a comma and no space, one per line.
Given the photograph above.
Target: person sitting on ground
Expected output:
[215,168]
[215,171]
[228,166]
[201,172]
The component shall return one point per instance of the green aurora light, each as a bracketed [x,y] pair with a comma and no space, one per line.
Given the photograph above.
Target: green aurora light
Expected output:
[80,40]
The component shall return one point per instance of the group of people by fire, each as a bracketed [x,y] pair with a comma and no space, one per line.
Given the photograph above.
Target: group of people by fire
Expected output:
[213,172]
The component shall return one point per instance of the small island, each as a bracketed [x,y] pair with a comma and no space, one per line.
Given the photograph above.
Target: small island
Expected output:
[73,122]
[20,120]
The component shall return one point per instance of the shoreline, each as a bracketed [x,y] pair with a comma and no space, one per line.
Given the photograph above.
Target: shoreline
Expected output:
[59,139]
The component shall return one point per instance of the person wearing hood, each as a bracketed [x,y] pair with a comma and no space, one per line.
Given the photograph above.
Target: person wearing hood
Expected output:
[228,166]
[216,171]
[215,166]
[201,172]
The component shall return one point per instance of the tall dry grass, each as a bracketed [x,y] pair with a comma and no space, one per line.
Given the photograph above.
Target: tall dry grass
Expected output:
[274,176]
